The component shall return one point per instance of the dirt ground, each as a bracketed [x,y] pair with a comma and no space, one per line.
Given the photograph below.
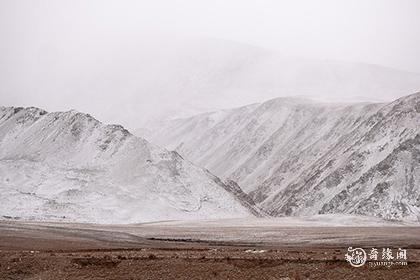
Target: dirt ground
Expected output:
[53,252]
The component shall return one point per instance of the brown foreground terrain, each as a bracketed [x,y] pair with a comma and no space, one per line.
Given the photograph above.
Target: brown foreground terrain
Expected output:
[168,251]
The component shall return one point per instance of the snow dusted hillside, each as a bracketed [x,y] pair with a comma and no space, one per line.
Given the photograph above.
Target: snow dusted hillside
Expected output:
[299,157]
[70,166]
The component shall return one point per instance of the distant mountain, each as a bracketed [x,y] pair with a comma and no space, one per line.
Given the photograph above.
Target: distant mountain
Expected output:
[164,78]
[70,166]
[298,157]
[215,75]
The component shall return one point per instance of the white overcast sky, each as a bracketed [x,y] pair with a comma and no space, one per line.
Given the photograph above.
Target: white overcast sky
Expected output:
[96,56]
[385,32]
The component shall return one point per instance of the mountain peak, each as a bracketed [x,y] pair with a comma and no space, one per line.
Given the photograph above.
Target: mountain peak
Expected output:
[70,166]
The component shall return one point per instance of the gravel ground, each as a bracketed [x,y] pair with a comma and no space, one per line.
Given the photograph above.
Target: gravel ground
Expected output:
[75,251]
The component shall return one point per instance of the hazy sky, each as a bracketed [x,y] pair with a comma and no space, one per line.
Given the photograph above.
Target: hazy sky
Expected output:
[385,32]
[52,50]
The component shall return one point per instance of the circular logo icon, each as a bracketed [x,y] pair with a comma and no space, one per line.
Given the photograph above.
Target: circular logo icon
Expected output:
[356,257]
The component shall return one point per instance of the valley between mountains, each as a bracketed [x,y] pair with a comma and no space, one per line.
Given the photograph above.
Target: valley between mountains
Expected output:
[283,157]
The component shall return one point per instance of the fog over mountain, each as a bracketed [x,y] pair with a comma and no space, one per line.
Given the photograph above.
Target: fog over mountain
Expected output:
[299,107]
[132,62]
[136,83]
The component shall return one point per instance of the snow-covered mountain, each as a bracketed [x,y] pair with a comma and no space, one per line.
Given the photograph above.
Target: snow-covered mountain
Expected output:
[298,157]
[68,165]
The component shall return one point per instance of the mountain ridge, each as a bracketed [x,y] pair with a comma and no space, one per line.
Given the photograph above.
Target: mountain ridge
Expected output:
[70,166]
[296,158]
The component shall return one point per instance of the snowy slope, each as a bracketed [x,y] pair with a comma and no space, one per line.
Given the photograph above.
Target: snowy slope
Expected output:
[299,157]
[68,165]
